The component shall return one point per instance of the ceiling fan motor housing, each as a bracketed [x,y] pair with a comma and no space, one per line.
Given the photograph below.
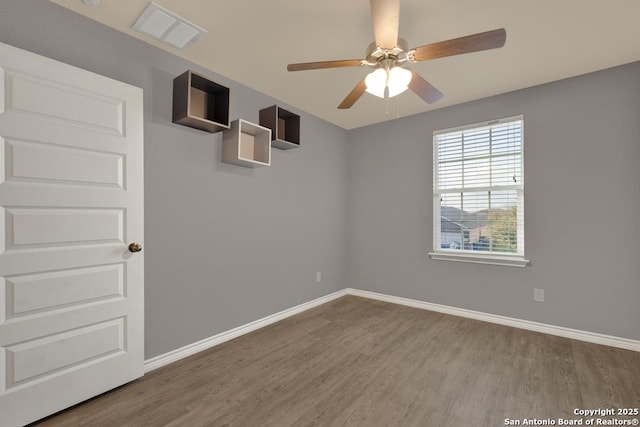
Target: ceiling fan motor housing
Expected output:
[375,55]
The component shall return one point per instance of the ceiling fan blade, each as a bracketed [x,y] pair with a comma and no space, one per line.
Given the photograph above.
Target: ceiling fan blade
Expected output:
[324,64]
[353,96]
[386,19]
[473,43]
[424,89]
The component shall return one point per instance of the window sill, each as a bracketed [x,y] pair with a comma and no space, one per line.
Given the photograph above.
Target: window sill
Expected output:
[509,261]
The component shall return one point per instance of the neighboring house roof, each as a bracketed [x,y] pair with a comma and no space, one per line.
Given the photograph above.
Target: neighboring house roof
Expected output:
[450,226]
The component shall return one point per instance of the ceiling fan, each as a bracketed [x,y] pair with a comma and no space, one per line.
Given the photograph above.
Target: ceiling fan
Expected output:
[388,54]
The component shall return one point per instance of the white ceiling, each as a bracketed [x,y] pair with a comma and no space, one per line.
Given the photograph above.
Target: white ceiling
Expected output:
[251,42]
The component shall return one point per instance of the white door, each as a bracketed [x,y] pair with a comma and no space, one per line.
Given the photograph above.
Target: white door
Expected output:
[71,200]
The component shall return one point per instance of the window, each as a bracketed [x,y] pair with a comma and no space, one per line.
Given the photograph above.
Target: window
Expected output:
[478,193]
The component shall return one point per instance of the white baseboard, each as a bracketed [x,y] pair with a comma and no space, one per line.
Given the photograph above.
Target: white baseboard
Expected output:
[190,349]
[575,334]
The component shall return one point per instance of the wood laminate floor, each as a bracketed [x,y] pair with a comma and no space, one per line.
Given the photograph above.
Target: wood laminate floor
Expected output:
[359,362]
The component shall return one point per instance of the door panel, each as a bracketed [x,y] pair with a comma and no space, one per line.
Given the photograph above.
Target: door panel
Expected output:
[41,97]
[55,164]
[32,360]
[59,227]
[71,201]
[29,293]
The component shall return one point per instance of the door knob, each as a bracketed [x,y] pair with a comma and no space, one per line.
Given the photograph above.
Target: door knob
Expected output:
[135,247]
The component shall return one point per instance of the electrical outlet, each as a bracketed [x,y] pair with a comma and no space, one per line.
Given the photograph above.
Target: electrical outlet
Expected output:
[318,276]
[538,295]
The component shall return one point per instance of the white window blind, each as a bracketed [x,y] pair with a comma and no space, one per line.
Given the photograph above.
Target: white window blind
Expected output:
[479,189]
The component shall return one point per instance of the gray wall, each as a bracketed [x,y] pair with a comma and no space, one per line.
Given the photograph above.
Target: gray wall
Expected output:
[582,207]
[224,245]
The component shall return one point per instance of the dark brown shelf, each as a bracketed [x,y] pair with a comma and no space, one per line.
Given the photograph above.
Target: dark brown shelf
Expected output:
[200,103]
[284,125]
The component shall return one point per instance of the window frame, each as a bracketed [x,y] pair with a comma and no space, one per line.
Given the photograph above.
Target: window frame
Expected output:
[481,257]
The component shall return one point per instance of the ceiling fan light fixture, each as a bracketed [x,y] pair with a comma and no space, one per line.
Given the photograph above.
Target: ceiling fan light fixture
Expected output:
[376,82]
[399,79]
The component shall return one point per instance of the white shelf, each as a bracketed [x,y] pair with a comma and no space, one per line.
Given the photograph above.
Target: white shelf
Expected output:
[246,144]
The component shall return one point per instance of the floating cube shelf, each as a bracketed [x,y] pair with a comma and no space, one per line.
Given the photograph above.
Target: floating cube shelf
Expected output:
[284,125]
[200,103]
[246,144]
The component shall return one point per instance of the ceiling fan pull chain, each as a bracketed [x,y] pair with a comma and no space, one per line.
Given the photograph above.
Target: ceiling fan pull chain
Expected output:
[386,101]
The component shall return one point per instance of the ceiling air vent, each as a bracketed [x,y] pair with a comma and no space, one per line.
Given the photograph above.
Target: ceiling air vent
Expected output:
[166,26]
